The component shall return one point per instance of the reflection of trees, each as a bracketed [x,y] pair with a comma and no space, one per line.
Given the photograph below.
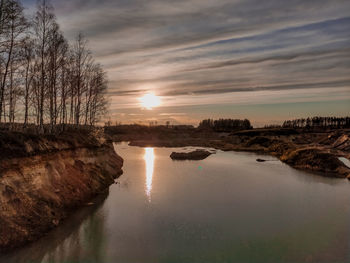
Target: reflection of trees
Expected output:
[95,237]
[82,235]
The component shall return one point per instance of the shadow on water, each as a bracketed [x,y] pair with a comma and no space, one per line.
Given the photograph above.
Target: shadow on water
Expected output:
[82,231]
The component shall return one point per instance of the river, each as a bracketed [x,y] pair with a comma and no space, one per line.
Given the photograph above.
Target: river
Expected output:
[226,208]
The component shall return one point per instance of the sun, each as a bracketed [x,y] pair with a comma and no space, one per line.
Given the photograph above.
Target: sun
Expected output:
[150,101]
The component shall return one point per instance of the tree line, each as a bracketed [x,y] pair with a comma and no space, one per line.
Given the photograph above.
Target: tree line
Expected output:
[225,125]
[45,80]
[321,122]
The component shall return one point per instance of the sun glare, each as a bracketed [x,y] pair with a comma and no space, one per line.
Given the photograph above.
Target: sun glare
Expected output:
[149,160]
[150,101]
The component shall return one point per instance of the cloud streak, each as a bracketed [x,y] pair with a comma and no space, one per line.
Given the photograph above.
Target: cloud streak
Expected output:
[205,47]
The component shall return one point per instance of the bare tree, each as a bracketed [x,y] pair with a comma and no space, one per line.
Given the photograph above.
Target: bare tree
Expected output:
[29,73]
[57,83]
[57,52]
[1,14]
[98,102]
[65,81]
[43,22]
[82,59]
[12,30]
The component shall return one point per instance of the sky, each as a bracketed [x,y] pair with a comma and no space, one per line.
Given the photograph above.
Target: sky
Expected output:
[263,60]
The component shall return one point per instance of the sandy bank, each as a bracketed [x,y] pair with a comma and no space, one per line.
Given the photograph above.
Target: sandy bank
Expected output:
[44,179]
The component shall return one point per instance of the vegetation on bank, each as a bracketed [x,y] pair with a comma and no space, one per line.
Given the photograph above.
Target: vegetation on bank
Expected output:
[44,80]
[16,144]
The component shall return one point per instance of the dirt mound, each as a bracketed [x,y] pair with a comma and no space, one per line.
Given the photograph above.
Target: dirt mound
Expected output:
[316,160]
[278,148]
[261,141]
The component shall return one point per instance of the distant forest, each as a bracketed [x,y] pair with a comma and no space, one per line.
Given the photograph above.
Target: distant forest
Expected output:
[225,125]
[319,122]
[229,125]
[43,78]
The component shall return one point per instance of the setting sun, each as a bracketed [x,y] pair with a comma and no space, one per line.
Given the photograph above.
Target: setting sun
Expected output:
[150,101]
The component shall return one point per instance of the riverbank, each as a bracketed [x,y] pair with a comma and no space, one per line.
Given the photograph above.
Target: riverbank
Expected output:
[44,178]
[313,151]
[183,209]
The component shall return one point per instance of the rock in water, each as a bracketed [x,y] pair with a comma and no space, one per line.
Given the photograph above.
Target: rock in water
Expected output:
[260,160]
[194,155]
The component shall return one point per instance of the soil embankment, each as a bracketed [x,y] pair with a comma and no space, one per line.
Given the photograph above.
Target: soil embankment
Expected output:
[43,179]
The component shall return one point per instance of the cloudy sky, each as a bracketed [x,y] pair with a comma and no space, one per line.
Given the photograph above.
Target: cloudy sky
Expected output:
[262,60]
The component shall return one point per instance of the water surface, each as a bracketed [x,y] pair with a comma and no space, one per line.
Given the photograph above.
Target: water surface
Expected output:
[226,208]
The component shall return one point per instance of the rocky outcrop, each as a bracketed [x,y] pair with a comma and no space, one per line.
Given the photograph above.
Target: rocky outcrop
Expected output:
[38,191]
[317,160]
[194,155]
[314,158]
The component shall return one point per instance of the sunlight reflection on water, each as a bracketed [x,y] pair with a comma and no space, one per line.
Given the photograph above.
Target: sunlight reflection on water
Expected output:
[149,161]
[226,208]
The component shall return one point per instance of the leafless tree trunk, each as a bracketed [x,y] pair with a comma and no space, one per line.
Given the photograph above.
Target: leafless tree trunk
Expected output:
[29,75]
[81,57]
[43,23]
[57,83]
[12,30]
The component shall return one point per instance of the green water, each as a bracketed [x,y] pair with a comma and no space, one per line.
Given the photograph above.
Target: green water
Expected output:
[227,208]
